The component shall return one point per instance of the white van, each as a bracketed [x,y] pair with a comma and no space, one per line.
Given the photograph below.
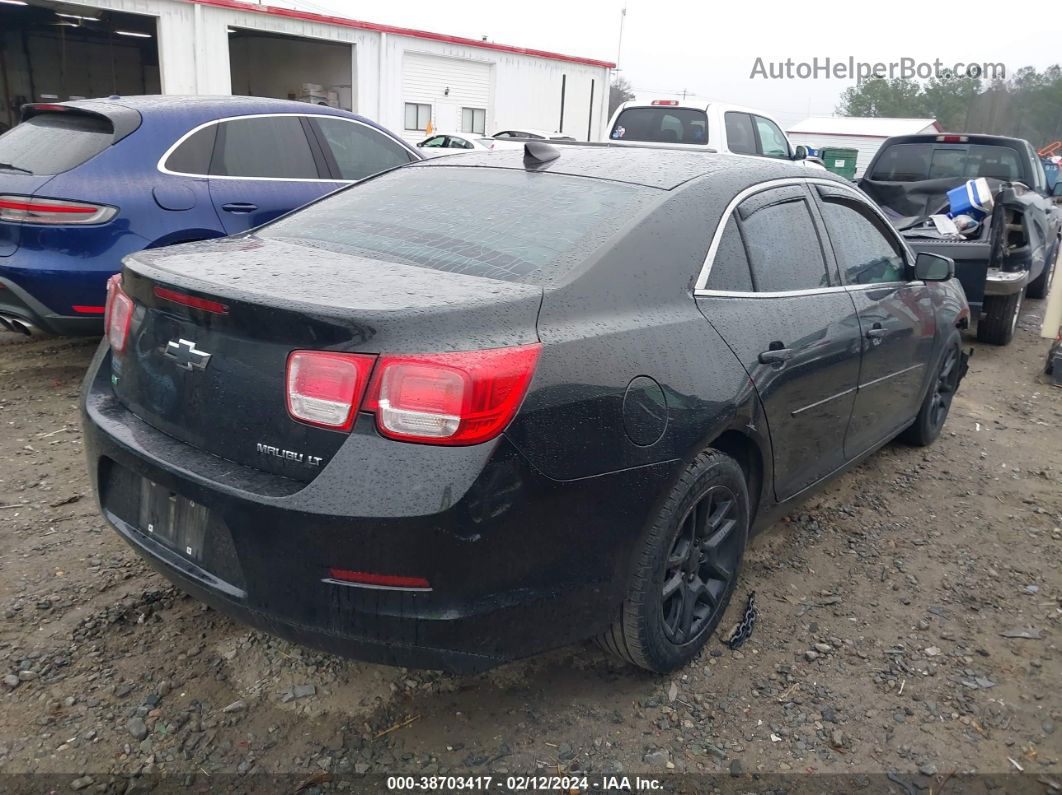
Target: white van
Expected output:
[715,125]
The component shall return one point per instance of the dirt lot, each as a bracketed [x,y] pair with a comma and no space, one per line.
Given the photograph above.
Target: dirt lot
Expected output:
[885,605]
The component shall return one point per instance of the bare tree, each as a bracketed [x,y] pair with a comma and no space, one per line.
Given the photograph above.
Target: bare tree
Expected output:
[619,92]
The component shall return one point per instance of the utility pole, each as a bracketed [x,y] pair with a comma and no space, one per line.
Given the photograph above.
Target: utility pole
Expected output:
[619,44]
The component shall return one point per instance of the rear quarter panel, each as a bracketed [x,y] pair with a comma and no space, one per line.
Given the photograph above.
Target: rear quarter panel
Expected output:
[630,312]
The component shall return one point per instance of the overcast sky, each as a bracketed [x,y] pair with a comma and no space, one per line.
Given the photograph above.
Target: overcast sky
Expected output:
[709,48]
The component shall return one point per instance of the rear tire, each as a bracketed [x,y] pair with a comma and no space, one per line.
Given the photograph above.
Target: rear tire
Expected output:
[935,407]
[684,568]
[999,318]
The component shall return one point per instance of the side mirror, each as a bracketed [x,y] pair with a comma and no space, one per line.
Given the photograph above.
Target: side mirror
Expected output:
[800,152]
[933,267]
[1057,190]
[421,144]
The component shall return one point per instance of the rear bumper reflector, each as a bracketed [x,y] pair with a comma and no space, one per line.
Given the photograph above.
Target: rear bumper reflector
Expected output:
[372,580]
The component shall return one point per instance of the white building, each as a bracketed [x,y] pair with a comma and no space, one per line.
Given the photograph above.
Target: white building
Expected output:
[401,78]
[865,135]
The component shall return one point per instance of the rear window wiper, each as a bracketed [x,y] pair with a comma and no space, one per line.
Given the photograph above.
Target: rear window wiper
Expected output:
[13,167]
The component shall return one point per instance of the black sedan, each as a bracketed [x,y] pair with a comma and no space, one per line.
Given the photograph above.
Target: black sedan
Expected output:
[479,407]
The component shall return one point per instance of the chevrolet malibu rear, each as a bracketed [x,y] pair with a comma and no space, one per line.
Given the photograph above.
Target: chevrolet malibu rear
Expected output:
[305,426]
[462,412]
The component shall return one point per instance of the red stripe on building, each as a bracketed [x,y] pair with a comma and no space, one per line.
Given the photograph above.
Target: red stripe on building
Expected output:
[235,5]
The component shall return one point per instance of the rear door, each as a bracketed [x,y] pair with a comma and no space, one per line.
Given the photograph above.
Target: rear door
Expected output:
[262,167]
[793,327]
[896,317]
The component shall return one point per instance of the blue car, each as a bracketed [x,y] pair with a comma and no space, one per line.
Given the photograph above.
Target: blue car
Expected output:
[83,183]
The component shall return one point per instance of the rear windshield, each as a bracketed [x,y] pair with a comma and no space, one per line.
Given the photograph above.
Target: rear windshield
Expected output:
[54,142]
[498,223]
[661,124]
[918,161]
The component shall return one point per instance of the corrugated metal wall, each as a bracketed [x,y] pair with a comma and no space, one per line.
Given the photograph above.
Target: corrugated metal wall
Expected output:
[448,85]
[867,147]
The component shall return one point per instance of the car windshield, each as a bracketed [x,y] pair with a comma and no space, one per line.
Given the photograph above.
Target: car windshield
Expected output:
[919,161]
[54,142]
[498,223]
[661,124]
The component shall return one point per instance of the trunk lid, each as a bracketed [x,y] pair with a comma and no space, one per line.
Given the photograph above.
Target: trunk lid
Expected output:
[278,297]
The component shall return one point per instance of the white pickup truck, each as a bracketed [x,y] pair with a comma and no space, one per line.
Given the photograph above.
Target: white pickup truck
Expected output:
[714,126]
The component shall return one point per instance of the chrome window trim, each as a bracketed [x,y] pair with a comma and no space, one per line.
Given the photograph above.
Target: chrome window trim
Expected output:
[160,166]
[700,285]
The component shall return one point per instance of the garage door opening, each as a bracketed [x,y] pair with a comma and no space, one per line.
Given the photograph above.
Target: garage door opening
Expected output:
[291,67]
[56,51]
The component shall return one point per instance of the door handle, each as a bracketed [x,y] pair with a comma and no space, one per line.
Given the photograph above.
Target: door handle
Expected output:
[239,207]
[775,355]
[876,332]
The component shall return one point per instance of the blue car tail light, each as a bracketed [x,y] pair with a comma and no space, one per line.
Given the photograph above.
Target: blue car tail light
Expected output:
[34,210]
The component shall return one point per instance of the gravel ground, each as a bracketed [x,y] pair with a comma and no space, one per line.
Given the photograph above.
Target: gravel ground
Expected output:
[910,618]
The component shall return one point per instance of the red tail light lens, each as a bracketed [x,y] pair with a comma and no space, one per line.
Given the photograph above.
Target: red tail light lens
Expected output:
[325,389]
[450,398]
[118,314]
[30,210]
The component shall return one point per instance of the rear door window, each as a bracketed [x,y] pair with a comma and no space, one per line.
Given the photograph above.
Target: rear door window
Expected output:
[730,267]
[358,150]
[740,136]
[270,147]
[783,244]
[52,143]
[661,124]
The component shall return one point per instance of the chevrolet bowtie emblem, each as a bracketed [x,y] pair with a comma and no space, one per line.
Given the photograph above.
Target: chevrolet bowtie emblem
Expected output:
[187,355]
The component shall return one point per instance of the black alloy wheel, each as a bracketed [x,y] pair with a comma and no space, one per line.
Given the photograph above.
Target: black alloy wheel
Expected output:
[701,565]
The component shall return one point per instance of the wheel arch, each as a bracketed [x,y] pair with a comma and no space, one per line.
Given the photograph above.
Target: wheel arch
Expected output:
[744,449]
[184,236]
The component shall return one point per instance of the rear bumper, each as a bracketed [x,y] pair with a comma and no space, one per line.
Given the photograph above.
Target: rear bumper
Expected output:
[45,278]
[999,282]
[518,563]
[17,302]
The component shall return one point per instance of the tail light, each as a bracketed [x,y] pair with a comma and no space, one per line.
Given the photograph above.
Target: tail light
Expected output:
[433,398]
[325,389]
[117,314]
[31,210]
[450,398]
[664,102]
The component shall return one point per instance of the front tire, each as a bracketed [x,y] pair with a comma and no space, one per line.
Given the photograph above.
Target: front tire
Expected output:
[685,567]
[999,318]
[934,410]
[1042,285]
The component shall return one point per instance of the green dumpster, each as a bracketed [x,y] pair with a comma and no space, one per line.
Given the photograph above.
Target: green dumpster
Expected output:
[840,161]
